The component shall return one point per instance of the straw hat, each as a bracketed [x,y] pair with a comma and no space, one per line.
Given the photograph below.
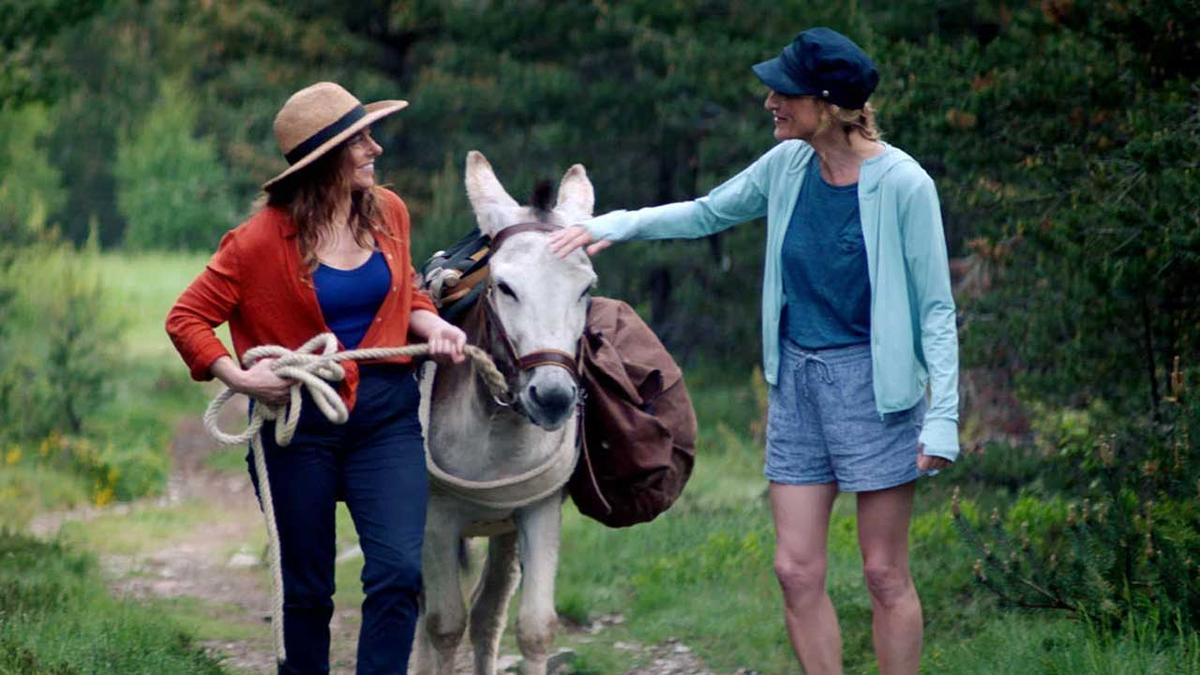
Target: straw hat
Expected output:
[317,118]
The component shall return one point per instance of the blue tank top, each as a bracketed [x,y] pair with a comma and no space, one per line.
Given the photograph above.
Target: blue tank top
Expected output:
[826,289]
[350,299]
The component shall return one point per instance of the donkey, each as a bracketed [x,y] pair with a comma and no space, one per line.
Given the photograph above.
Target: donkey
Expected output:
[499,467]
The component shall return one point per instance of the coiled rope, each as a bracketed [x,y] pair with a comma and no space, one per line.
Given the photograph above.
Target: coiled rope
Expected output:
[314,365]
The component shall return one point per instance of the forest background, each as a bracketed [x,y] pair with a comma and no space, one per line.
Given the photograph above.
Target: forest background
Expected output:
[1063,136]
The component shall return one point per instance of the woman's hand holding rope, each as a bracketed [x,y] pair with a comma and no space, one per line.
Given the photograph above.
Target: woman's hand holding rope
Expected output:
[446,343]
[258,382]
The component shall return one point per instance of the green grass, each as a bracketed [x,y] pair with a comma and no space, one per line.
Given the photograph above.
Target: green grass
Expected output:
[139,530]
[212,621]
[703,574]
[154,389]
[347,575]
[26,490]
[143,287]
[1019,644]
[121,450]
[230,460]
[56,617]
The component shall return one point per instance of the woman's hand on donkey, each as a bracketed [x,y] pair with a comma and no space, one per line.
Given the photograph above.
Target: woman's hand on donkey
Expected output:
[570,238]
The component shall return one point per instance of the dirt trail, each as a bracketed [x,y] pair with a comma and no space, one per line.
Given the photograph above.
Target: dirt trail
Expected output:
[215,566]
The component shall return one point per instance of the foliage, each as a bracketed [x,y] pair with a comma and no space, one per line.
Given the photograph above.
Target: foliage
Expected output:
[1126,547]
[27,490]
[1063,137]
[28,70]
[30,186]
[60,344]
[1018,644]
[60,375]
[48,594]
[171,188]
[1065,150]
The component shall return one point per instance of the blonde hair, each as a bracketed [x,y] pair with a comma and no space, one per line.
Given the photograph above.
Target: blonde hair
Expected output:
[861,120]
[307,196]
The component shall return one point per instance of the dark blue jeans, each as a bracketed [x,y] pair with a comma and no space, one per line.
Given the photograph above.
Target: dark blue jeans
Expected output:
[375,462]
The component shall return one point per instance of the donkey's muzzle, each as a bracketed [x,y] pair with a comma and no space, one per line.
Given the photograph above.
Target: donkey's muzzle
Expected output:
[550,398]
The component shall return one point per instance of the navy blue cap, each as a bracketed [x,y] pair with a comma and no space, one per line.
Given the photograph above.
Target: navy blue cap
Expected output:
[824,63]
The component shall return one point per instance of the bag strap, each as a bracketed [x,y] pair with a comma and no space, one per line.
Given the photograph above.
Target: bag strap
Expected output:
[585,355]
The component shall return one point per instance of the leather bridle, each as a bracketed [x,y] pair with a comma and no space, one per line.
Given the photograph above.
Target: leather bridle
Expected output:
[510,362]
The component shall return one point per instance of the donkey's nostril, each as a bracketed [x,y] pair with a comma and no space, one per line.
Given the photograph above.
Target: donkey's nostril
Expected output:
[553,399]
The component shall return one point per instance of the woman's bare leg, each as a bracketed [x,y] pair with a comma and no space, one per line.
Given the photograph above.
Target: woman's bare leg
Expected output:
[801,514]
[897,625]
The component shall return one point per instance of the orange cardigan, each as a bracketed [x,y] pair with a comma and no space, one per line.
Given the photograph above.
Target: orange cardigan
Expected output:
[257,282]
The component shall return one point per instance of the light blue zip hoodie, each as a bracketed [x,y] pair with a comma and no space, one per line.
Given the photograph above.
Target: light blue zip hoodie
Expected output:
[914,341]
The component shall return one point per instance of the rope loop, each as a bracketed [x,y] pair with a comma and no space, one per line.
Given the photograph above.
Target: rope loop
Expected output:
[314,366]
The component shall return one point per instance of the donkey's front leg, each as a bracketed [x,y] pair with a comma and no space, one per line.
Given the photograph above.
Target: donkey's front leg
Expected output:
[538,526]
[445,616]
[489,603]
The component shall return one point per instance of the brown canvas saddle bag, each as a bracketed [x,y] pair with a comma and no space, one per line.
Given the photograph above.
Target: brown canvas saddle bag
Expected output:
[639,428]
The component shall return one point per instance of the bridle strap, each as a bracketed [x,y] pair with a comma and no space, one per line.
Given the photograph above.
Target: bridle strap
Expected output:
[502,236]
[548,357]
[494,328]
[511,361]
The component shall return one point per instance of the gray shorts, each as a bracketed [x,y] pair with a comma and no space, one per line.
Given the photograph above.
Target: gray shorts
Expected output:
[823,427]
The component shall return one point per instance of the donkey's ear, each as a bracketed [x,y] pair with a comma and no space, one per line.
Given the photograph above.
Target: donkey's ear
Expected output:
[493,206]
[576,199]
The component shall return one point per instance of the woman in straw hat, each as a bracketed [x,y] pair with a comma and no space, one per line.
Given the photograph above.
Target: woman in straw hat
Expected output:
[329,251]
[858,320]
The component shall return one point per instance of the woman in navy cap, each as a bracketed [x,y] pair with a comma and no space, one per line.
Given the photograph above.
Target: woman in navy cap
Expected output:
[859,341]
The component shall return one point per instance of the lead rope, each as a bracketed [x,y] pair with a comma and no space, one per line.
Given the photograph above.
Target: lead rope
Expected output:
[308,368]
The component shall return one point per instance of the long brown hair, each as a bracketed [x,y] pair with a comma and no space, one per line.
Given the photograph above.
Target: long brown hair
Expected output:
[308,198]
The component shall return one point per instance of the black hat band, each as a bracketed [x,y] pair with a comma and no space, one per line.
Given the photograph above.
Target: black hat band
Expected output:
[333,129]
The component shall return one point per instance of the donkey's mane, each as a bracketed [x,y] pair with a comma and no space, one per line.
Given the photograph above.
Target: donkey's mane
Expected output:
[540,201]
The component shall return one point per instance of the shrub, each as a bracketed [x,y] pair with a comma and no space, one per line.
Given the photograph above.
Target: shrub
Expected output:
[1125,544]
[171,187]
[30,187]
[60,344]
[59,359]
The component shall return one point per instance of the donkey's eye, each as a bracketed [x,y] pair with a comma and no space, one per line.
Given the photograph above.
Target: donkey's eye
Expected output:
[504,288]
[584,294]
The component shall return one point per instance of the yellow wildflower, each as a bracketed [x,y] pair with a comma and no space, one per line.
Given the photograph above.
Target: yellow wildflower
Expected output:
[104,497]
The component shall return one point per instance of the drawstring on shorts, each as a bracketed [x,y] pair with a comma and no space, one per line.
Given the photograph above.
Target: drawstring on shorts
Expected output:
[807,357]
